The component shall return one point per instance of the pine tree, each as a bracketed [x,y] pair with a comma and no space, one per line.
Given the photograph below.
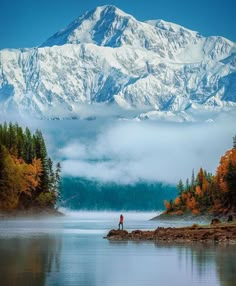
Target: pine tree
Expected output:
[41,153]
[180,187]
[192,181]
[51,176]
[200,177]
[234,141]
[58,184]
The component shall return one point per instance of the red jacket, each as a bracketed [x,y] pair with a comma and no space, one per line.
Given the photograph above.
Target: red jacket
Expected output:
[121,219]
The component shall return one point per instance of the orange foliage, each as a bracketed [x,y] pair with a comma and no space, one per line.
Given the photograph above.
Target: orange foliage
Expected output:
[198,191]
[195,211]
[177,201]
[19,178]
[191,203]
[184,196]
[27,176]
[167,205]
[222,170]
[215,194]
[205,185]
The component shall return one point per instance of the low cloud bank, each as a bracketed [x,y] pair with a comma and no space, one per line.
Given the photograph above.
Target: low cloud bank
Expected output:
[127,152]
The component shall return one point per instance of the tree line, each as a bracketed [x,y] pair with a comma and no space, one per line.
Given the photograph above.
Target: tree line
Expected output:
[27,175]
[208,193]
[85,194]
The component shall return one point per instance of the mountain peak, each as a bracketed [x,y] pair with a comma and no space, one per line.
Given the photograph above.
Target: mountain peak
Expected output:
[107,9]
[96,26]
[106,55]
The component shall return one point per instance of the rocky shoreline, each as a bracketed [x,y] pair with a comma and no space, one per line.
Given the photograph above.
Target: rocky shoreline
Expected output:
[219,233]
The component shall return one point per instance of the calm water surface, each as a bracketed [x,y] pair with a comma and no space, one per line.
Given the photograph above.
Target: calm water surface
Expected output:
[71,251]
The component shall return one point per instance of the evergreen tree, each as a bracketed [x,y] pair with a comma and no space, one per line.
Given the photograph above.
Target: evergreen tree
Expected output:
[187,184]
[192,181]
[41,153]
[27,176]
[180,187]
[58,184]
[230,179]
[234,141]
[29,148]
[51,175]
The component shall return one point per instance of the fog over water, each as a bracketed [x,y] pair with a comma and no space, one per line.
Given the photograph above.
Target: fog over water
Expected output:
[70,250]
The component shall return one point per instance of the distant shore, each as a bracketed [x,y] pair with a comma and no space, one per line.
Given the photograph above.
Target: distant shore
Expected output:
[219,233]
[188,217]
[31,212]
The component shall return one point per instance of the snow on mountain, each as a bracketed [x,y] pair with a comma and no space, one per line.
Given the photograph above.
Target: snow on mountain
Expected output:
[107,56]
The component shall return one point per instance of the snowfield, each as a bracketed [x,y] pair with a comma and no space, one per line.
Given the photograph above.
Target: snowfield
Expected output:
[108,57]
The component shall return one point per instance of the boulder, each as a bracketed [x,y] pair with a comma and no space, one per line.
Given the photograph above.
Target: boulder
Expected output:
[215,221]
[117,232]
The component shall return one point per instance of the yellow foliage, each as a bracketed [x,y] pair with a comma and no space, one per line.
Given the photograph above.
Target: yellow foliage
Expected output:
[46,199]
[18,178]
[27,176]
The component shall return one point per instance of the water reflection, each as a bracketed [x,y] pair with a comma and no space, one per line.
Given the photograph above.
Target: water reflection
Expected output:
[72,252]
[226,265]
[28,261]
[200,259]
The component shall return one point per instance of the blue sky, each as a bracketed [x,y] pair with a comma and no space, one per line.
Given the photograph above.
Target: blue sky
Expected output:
[28,23]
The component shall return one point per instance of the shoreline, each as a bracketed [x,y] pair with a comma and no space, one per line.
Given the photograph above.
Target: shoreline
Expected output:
[30,213]
[222,233]
[190,217]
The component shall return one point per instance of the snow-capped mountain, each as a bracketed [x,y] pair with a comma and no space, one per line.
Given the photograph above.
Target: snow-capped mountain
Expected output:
[107,56]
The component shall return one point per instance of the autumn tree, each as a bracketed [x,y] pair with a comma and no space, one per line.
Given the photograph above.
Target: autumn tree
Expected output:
[27,176]
[207,192]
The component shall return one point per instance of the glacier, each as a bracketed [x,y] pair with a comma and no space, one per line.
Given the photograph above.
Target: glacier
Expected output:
[154,69]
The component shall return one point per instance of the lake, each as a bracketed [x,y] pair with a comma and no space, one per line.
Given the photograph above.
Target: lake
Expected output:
[70,250]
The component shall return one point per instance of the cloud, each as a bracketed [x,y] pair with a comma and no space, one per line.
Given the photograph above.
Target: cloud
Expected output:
[110,150]
[127,152]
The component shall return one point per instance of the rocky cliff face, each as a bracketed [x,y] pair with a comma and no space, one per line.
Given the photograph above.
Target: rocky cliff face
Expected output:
[107,56]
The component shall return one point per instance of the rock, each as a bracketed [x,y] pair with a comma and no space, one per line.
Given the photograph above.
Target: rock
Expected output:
[215,221]
[195,225]
[220,233]
[230,218]
[117,233]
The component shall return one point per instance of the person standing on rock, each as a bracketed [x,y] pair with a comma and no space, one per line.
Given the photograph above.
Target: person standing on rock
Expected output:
[121,221]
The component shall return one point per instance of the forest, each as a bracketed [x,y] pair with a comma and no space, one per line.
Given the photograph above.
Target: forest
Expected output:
[27,176]
[84,194]
[208,193]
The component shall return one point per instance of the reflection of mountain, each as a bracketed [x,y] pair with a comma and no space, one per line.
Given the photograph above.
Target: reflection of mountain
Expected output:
[93,195]
[27,261]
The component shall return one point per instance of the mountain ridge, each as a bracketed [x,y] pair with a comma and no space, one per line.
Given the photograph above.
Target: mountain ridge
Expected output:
[107,56]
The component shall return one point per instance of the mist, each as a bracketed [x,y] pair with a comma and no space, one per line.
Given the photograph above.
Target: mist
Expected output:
[108,149]
[128,152]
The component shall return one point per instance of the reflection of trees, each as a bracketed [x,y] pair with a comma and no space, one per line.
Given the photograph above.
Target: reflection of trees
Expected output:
[203,257]
[226,264]
[26,261]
